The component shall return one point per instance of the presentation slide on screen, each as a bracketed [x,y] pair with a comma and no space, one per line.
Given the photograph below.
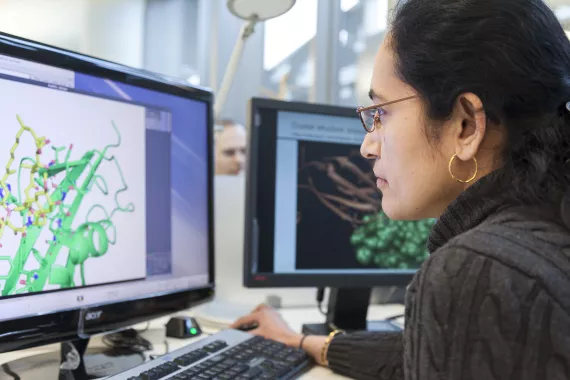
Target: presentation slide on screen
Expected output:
[328,215]
[72,190]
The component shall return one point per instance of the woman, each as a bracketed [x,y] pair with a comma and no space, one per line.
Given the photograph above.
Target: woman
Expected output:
[473,128]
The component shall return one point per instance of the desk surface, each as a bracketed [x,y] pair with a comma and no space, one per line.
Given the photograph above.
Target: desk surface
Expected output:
[296,317]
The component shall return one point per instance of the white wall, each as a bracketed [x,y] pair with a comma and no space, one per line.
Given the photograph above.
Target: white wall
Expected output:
[164,37]
[114,30]
[57,22]
[229,203]
[109,29]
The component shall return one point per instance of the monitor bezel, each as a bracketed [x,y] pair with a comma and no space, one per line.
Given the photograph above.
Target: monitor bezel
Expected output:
[264,280]
[59,326]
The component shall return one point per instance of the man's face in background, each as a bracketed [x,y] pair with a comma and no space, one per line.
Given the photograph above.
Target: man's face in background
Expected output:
[230,150]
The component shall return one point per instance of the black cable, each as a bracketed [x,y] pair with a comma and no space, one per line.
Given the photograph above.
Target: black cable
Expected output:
[320,297]
[321,310]
[8,371]
[166,351]
[129,340]
[394,317]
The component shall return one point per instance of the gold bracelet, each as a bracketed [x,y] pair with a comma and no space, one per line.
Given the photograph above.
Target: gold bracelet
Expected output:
[325,348]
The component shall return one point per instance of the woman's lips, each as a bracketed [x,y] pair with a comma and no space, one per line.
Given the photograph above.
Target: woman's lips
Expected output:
[381,182]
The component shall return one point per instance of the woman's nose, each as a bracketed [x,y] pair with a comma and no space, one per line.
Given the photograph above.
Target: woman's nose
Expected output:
[370,148]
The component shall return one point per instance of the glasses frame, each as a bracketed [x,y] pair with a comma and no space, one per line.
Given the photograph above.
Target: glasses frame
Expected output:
[359,110]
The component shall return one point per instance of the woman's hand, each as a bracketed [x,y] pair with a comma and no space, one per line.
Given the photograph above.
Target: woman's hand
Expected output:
[270,325]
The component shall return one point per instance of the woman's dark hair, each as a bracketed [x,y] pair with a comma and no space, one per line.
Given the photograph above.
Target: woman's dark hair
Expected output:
[515,56]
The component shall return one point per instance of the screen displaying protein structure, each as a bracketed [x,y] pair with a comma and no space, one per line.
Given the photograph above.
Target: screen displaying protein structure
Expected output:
[45,241]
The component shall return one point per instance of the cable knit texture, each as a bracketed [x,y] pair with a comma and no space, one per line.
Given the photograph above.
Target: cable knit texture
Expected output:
[492,302]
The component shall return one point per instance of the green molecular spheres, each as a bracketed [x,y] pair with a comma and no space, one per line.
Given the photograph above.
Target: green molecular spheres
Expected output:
[391,244]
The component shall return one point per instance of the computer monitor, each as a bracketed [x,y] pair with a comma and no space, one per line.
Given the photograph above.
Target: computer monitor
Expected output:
[313,211]
[105,195]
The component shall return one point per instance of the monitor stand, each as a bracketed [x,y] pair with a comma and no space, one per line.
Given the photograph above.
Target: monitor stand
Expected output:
[74,361]
[347,310]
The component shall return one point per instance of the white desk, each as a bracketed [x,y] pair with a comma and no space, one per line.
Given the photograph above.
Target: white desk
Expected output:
[155,334]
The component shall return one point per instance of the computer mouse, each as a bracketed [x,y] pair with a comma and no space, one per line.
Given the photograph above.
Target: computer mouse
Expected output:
[248,327]
[183,327]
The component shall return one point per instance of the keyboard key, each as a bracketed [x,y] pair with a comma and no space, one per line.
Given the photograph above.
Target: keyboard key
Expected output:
[217,359]
[215,346]
[231,372]
[172,367]
[224,377]
[295,359]
[191,357]
[149,375]
[281,355]
[224,365]
[161,371]
[252,373]
[241,368]
[182,361]
[192,371]
[267,365]
[281,369]
[229,362]
[243,376]
[200,354]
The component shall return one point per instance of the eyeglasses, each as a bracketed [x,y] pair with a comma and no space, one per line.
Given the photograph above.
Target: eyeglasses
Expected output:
[370,116]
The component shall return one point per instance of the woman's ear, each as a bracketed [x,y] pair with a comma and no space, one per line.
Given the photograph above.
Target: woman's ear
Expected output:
[471,125]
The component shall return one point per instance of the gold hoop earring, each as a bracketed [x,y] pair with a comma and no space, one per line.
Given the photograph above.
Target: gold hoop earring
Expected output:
[461,180]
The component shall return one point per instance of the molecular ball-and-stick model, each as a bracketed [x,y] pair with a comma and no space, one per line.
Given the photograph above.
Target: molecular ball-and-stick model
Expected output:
[51,200]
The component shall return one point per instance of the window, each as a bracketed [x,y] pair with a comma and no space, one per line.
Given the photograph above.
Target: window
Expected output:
[288,55]
[362,28]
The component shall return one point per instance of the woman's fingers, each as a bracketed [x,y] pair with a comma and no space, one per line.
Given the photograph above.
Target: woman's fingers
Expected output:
[246,320]
[256,331]
[260,307]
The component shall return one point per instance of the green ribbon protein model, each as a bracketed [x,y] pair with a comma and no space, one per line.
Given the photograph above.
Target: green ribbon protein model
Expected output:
[46,204]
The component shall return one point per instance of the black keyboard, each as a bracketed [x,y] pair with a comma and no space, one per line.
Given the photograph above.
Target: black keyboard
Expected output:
[227,355]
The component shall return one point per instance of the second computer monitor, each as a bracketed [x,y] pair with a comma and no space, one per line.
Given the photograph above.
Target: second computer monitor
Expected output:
[314,215]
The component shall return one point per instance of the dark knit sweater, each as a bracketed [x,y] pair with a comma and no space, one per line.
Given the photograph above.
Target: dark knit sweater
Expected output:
[492,302]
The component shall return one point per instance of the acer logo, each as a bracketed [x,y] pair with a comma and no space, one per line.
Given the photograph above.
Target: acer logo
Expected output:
[93,315]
